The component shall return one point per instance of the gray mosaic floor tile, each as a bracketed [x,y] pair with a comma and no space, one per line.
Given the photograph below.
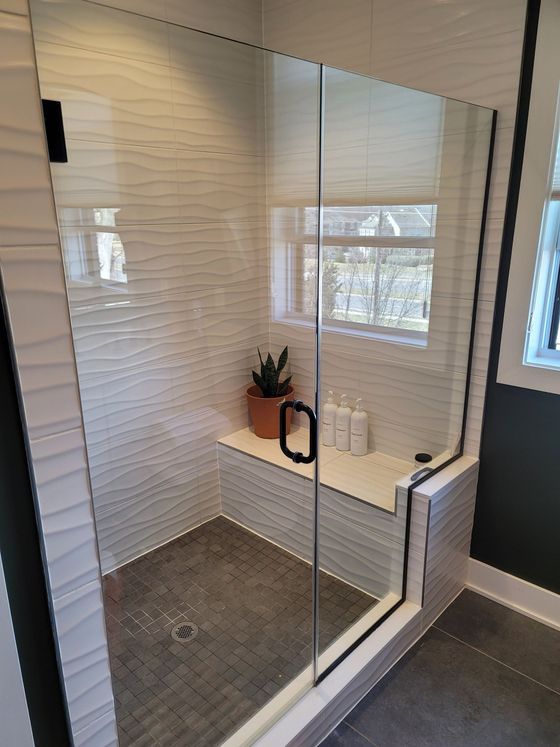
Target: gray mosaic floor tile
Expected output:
[251,602]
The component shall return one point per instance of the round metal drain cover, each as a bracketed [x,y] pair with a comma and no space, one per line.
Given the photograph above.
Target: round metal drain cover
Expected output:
[185,632]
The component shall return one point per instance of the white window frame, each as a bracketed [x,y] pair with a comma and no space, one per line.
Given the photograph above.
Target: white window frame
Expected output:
[537,350]
[284,308]
[523,360]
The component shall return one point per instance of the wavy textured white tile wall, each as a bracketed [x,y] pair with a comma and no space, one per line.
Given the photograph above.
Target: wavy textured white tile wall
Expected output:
[452,496]
[33,279]
[33,286]
[241,20]
[358,543]
[372,150]
[174,148]
[470,51]
[81,631]
[25,190]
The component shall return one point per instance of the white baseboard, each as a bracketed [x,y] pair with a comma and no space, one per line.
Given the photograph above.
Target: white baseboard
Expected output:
[519,595]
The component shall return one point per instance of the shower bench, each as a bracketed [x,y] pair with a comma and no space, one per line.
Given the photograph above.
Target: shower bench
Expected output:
[362,505]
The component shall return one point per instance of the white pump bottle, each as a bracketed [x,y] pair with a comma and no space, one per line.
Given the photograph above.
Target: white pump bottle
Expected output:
[343,415]
[359,430]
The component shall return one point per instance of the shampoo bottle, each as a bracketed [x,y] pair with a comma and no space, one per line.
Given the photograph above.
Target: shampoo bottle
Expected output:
[359,430]
[329,421]
[343,415]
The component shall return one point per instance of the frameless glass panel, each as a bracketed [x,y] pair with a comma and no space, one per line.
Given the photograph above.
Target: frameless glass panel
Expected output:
[190,158]
[403,191]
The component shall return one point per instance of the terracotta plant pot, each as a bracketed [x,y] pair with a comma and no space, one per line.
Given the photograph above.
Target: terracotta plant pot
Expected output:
[265,413]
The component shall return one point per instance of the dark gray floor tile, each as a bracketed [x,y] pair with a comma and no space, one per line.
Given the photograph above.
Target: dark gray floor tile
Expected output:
[251,601]
[445,694]
[345,736]
[512,638]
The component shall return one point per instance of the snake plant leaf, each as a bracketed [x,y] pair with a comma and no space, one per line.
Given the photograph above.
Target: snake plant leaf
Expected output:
[282,360]
[269,378]
[260,382]
[271,375]
[283,388]
[262,363]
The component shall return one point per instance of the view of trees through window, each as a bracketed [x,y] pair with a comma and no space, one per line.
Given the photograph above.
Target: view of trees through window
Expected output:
[377,265]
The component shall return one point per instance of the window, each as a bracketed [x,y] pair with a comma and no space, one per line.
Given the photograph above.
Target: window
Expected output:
[529,355]
[377,268]
[95,253]
[543,337]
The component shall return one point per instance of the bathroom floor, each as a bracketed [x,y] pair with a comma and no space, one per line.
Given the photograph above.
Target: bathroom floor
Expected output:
[251,603]
[482,676]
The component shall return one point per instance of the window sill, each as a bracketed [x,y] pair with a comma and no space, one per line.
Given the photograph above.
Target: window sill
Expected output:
[390,338]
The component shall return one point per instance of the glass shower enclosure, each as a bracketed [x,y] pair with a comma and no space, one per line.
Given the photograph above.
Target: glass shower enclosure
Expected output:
[220,199]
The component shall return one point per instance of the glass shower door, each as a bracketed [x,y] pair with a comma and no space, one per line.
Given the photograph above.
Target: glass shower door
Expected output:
[404,183]
[192,160]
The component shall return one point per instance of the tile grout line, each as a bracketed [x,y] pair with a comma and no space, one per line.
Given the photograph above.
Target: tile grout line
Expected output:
[359,733]
[492,658]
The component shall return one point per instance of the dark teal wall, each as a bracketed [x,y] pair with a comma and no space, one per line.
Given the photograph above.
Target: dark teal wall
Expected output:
[517,519]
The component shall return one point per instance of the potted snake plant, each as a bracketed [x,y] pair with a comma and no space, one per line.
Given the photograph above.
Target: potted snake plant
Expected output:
[266,393]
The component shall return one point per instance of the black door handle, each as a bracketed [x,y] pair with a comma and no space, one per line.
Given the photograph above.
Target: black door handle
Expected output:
[297,456]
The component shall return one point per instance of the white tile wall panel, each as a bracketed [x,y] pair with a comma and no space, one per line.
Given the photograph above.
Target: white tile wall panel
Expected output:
[128,335]
[217,114]
[452,496]
[471,52]
[33,282]
[128,401]
[500,172]
[483,334]
[88,26]
[139,183]
[20,7]
[218,262]
[26,205]
[194,54]
[455,258]
[292,105]
[390,525]
[108,98]
[272,502]
[360,555]
[448,342]
[133,528]
[359,544]
[123,474]
[477,393]
[219,188]
[318,30]
[490,260]
[416,561]
[83,651]
[133,467]
[100,733]
[64,497]
[240,20]
[35,298]
[403,442]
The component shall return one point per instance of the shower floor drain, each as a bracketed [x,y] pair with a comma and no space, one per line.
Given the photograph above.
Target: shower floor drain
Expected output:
[185,632]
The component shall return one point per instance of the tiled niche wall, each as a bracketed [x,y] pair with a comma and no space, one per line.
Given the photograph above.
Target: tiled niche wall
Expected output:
[164,242]
[467,50]
[35,302]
